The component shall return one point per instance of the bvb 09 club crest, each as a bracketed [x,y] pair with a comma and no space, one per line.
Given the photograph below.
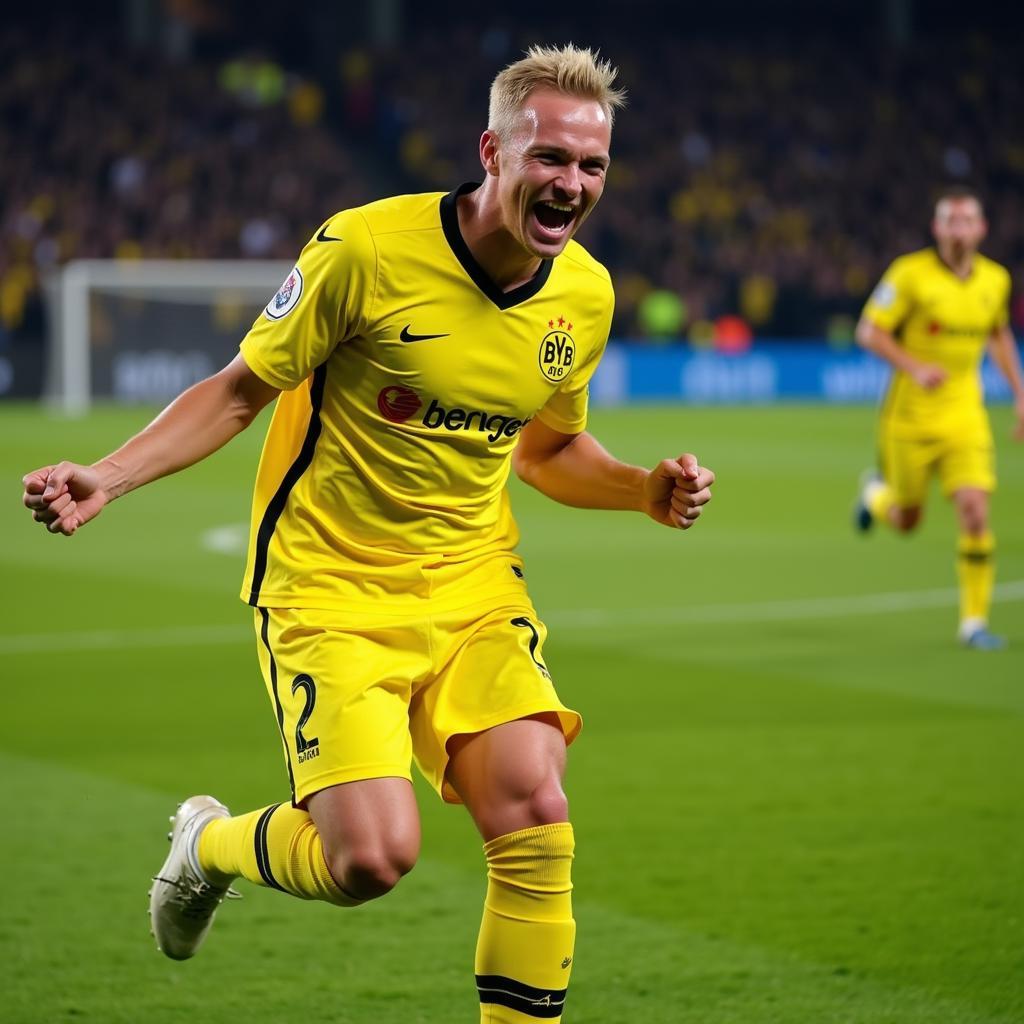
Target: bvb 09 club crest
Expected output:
[557,351]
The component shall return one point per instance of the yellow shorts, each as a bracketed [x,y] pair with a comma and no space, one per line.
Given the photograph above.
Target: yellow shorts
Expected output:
[359,694]
[908,466]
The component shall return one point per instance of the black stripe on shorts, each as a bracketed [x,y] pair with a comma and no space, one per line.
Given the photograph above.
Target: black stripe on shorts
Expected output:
[278,710]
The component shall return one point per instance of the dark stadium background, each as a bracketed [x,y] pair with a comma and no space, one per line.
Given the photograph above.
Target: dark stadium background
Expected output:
[773,159]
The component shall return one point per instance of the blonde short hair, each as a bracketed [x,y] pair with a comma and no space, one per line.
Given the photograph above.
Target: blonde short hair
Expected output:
[567,69]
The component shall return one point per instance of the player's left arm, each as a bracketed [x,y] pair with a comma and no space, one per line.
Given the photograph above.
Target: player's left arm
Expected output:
[576,470]
[1003,347]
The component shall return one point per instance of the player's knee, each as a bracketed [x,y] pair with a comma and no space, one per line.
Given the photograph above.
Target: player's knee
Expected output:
[526,805]
[906,519]
[547,803]
[974,517]
[373,866]
[975,525]
[370,872]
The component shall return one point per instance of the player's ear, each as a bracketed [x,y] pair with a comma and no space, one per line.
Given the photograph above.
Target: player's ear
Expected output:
[489,146]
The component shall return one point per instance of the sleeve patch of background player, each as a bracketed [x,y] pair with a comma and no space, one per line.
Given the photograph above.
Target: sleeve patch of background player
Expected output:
[287,297]
[884,295]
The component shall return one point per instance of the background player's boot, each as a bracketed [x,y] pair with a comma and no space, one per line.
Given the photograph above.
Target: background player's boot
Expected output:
[978,637]
[863,520]
[182,902]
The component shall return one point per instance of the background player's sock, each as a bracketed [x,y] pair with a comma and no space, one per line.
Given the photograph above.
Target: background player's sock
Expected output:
[277,846]
[976,571]
[524,953]
[878,498]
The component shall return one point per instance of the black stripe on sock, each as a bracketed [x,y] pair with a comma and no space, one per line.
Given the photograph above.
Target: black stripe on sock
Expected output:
[542,1003]
[277,503]
[976,556]
[262,852]
[265,637]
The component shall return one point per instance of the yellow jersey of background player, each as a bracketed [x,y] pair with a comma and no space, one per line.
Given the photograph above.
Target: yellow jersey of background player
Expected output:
[931,318]
[945,321]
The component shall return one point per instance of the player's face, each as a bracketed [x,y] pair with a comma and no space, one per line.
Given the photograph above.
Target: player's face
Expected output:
[551,169]
[959,227]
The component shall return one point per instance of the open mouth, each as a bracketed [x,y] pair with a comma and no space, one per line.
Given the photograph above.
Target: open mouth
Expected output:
[554,218]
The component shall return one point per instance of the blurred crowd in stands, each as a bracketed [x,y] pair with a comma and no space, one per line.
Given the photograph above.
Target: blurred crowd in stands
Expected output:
[758,186]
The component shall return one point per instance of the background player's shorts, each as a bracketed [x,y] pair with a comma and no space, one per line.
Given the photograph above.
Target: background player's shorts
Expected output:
[908,465]
[359,694]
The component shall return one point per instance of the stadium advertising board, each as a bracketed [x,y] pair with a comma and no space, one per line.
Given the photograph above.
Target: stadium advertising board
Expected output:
[768,372]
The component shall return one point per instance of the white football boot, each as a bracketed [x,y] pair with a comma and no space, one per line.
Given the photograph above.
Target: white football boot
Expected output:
[182,902]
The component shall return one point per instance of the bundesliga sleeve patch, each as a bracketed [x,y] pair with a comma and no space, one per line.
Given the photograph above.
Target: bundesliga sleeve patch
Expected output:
[884,295]
[287,297]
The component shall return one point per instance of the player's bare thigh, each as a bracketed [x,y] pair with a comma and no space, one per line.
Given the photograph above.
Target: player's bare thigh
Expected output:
[510,777]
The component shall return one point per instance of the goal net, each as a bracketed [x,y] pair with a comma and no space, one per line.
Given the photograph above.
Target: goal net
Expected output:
[143,331]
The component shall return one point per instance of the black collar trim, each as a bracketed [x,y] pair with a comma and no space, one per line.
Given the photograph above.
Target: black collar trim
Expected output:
[479,276]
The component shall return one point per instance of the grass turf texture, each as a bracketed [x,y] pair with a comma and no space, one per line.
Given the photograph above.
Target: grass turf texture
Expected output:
[786,812]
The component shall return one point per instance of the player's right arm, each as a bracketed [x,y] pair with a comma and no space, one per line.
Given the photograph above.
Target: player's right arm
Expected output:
[1003,349]
[875,339]
[322,302]
[886,309]
[199,421]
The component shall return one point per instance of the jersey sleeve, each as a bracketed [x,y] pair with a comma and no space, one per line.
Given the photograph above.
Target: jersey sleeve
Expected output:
[325,300]
[566,409]
[890,302]
[1003,309]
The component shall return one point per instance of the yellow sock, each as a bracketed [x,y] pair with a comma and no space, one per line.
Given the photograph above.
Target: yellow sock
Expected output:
[277,846]
[976,570]
[879,500]
[524,953]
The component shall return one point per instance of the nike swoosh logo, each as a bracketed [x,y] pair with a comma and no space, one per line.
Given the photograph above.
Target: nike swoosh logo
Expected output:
[321,237]
[406,336]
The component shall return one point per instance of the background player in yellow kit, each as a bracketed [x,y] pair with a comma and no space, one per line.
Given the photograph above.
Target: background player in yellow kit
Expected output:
[420,347]
[931,318]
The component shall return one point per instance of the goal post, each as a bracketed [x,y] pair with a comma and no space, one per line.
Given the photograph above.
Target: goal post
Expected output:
[144,330]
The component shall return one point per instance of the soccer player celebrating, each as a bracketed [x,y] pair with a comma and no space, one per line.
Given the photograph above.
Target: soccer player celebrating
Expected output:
[421,346]
[930,318]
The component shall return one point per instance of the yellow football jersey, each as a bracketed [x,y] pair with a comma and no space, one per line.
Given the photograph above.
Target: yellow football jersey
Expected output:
[945,320]
[407,376]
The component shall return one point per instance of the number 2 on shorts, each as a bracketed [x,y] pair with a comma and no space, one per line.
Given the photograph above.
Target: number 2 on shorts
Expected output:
[524,622]
[308,687]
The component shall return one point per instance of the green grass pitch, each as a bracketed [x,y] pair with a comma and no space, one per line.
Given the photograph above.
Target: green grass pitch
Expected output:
[796,800]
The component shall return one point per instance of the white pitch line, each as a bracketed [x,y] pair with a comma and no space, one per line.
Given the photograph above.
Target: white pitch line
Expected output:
[574,618]
[775,611]
[114,639]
